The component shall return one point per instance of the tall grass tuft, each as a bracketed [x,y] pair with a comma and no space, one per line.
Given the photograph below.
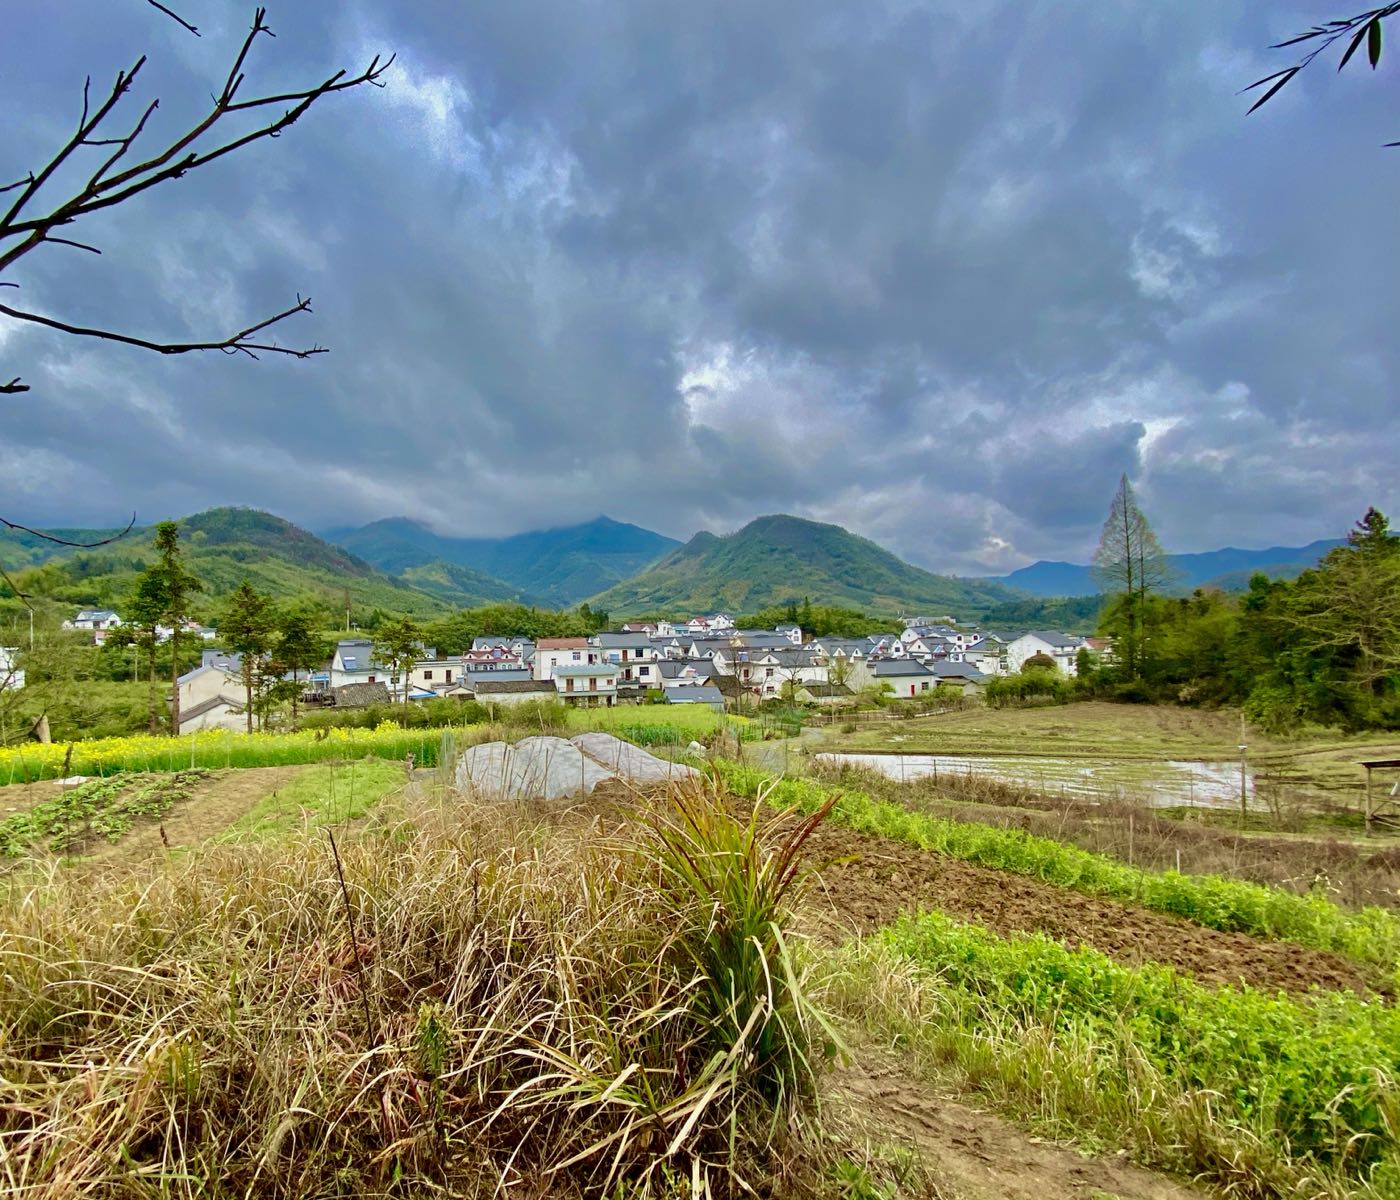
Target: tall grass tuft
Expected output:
[517,1006]
[733,882]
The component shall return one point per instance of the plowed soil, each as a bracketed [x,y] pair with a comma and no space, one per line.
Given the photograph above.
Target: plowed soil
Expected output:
[871,880]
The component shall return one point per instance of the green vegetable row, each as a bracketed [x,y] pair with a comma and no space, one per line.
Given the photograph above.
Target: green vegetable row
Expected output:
[101,807]
[1370,935]
[1311,1080]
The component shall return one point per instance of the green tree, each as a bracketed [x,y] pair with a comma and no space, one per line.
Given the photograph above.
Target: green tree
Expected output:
[162,596]
[248,628]
[298,649]
[1129,565]
[144,611]
[398,644]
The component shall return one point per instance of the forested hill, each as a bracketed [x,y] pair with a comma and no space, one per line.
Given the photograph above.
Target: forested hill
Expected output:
[559,567]
[775,559]
[224,546]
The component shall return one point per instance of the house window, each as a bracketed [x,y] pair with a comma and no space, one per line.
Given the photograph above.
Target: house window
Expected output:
[923,687]
[643,672]
[576,656]
[370,679]
[767,672]
[427,675]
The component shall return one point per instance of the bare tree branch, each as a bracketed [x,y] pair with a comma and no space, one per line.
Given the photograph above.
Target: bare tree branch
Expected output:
[58,541]
[234,344]
[23,229]
[174,16]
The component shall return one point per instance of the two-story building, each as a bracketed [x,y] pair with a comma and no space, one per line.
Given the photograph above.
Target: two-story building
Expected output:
[553,653]
[586,685]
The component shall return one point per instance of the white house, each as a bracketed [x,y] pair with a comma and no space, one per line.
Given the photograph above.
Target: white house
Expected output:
[1063,648]
[354,662]
[94,618]
[11,674]
[212,695]
[586,685]
[906,676]
[553,653]
[636,656]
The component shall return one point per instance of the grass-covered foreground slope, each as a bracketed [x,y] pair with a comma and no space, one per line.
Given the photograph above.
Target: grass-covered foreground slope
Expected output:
[1370,935]
[777,559]
[456,1003]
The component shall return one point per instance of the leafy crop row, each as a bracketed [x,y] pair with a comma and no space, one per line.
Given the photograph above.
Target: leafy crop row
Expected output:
[101,807]
[1369,935]
[1311,1080]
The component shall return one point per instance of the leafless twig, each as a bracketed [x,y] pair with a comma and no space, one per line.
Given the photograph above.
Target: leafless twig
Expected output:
[30,220]
[58,541]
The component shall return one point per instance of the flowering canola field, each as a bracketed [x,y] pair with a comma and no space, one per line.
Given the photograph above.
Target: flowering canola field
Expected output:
[215,748]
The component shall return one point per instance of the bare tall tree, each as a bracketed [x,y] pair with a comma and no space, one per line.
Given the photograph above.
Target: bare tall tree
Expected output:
[1129,564]
[119,170]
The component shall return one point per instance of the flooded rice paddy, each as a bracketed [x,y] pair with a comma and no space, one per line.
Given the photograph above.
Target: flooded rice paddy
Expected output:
[1162,784]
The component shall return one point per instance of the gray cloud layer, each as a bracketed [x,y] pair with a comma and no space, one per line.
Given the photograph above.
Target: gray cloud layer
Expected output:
[934,275]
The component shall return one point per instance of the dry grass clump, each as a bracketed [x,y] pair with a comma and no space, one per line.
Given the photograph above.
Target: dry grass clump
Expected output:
[498,1004]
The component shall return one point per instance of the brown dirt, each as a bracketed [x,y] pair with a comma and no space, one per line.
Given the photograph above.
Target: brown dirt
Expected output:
[215,804]
[871,880]
[974,1155]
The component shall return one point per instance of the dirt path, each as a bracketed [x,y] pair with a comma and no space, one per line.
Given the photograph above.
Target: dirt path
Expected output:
[872,880]
[215,805]
[976,1155]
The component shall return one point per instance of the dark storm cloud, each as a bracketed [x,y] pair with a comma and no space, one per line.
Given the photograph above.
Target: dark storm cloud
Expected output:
[938,276]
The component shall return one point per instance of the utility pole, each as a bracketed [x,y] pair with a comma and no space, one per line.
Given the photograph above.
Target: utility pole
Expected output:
[1244,767]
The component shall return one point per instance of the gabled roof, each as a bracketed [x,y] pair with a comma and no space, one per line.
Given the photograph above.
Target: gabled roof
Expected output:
[1062,641]
[887,667]
[825,689]
[504,687]
[204,706]
[694,693]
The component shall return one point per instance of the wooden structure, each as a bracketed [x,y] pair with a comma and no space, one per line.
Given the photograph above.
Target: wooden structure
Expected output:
[1376,806]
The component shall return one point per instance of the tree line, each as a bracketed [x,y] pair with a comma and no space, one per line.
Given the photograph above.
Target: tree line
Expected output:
[1323,648]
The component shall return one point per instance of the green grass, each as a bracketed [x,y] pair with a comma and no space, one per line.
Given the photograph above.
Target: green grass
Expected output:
[1266,1095]
[323,795]
[1369,935]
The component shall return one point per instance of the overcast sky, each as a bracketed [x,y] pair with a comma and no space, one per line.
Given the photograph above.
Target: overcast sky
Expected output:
[935,272]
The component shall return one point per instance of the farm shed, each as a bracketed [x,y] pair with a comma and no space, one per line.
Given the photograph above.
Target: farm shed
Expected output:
[1377,804]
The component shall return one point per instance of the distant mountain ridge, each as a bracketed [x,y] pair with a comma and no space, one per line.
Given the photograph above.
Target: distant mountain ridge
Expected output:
[1229,568]
[224,546]
[558,567]
[775,559]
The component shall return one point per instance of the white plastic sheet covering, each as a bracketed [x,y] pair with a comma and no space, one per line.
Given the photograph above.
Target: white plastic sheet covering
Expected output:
[550,768]
[631,762]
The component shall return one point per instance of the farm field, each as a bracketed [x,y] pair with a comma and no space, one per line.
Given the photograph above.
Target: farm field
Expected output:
[1021,1018]
[1131,748]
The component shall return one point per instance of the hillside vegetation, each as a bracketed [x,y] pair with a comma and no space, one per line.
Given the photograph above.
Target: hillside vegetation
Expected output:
[776,559]
[228,545]
[556,567]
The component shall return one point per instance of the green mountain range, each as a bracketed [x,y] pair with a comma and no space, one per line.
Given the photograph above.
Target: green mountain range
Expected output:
[773,560]
[555,567]
[224,546]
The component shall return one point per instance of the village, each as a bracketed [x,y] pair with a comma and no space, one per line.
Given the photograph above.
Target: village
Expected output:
[706,660]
